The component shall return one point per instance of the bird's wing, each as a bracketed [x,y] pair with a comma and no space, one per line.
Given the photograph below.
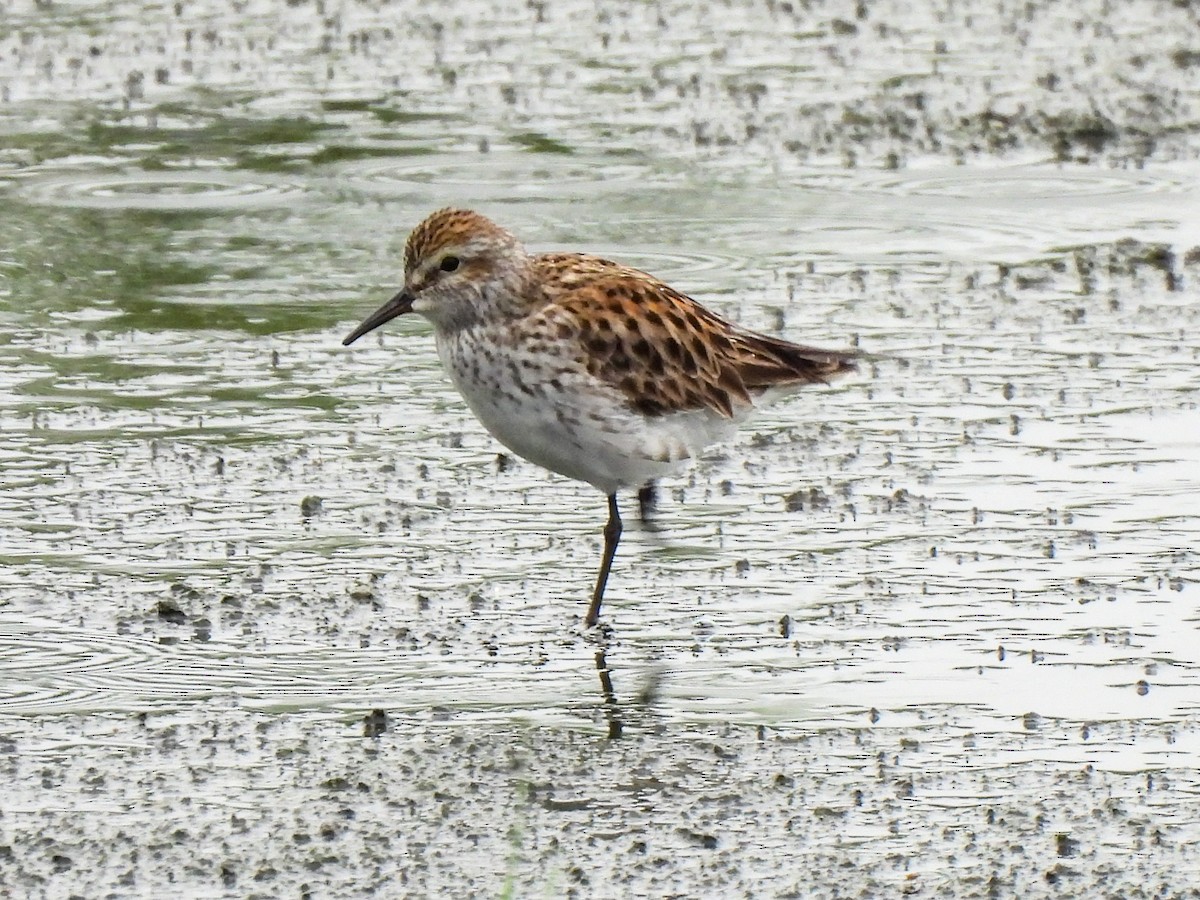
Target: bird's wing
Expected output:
[664,351]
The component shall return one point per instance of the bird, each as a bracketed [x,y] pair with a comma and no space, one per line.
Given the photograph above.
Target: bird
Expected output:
[589,368]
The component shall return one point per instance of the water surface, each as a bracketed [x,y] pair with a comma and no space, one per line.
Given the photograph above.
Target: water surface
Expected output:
[932,622]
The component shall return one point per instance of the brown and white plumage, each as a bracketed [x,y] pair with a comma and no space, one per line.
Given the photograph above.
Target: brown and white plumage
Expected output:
[664,351]
[595,370]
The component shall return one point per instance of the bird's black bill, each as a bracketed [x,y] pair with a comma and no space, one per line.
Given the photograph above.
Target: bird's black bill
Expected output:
[397,306]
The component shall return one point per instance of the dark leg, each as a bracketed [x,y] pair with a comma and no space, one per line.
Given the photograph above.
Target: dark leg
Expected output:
[647,500]
[612,534]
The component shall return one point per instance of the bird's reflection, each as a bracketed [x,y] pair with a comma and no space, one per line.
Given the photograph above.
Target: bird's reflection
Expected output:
[612,710]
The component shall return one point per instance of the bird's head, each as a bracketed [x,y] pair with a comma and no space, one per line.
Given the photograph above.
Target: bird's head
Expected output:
[454,263]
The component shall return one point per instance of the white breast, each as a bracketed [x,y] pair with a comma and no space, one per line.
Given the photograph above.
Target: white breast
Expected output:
[549,410]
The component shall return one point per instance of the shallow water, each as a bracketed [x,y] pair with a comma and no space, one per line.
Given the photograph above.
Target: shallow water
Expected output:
[953,596]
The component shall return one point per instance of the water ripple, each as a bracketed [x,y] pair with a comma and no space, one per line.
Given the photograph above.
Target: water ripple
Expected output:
[193,189]
[1023,182]
[494,177]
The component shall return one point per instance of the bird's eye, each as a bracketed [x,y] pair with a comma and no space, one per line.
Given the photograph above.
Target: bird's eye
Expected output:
[449,263]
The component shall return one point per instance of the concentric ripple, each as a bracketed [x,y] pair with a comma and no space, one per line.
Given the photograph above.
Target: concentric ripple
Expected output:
[48,670]
[1022,182]
[493,177]
[57,669]
[183,190]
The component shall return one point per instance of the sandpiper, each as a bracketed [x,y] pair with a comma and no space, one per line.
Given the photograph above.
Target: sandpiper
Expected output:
[592,369]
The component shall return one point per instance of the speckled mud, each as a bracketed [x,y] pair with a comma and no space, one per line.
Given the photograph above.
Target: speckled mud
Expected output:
[277,619]
[269,805]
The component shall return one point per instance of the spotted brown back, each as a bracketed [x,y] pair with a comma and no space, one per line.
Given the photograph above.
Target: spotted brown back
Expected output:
[664,351]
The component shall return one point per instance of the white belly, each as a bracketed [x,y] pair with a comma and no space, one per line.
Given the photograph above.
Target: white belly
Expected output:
[558,416]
